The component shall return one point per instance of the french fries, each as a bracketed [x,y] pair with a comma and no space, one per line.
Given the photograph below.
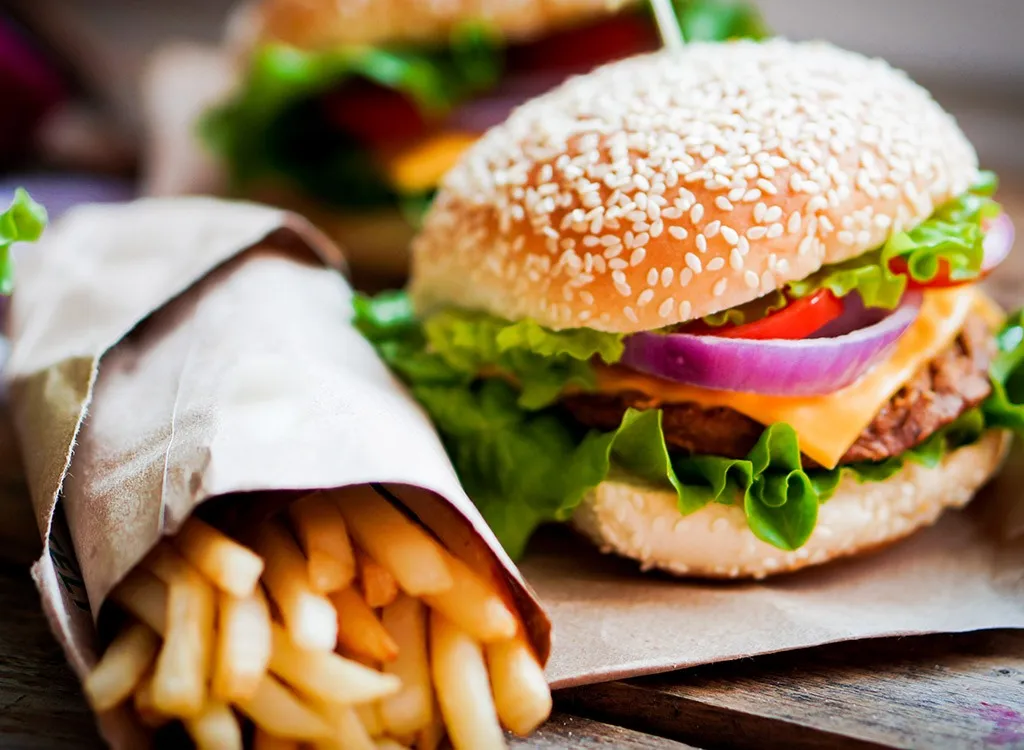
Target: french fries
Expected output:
[309,617]
[321,529]
[463,692]
[122,667]
[409,709]
[359,630]
[229,565]
[521,693]
[370,635]
[215,728]
[379,587]
[399,545]
[243,645]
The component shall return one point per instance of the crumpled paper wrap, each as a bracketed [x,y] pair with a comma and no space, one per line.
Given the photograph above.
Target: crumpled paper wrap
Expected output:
[171,351]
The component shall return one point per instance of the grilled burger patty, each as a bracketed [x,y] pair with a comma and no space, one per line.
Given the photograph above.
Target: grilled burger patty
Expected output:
[955,381]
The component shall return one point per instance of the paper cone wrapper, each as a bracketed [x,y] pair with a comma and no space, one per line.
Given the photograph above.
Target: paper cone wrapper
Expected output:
[171,351]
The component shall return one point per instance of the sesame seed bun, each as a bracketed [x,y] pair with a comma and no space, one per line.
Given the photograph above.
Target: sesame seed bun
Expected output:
[669,186]
[317,24]
[643,523]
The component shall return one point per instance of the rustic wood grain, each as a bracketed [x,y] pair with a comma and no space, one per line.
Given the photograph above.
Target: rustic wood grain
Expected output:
[566,731]
[946,691]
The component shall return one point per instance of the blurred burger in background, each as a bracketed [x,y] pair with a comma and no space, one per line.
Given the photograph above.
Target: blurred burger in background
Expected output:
[351,111]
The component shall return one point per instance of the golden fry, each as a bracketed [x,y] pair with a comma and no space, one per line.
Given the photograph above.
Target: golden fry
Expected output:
[386,743]
[328,677]
[463,689]
[369,715]
[276,710]
[145,596]
[330,562]
[231,566]
[393,540]
[309,617]
[216,728]
[409,710]
[183,665]
[243,645]
[521,694]
[430,737]
[473,605]
[124,663]
[264,741]
[143,702]
[359,630]
[348,732]
[379,587]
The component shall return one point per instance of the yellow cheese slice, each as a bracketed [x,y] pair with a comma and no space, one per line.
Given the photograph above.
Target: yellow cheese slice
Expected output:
[828,425]
[420,167]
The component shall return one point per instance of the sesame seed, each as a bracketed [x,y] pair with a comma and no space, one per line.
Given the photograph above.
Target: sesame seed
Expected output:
[678,232]
[775,230]
[743,246]
[736,194]
[794,222]
[773,214]
[735,259]
[693,262]
[730,235]
[696,213]
[752,195]
[757,232]
[631,314]
[827,227]
[685,277]
[624,289]
[711,229]
[666,307]
[685,310]
[716,264]
[645,297]
[637,256]
[759,211]
[767,186]
[767,281]
[723,203]
[846,237]
[719,288]
[657,228]
[750,279]
[652,277]
[702,243]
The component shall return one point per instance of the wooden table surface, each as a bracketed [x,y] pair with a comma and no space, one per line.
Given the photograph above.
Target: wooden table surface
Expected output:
[945,691]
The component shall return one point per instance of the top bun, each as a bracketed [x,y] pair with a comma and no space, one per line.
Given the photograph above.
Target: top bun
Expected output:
[665,187]
[316,24]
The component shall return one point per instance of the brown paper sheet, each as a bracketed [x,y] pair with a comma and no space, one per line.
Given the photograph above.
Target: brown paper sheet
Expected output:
[966,573]
[170,351]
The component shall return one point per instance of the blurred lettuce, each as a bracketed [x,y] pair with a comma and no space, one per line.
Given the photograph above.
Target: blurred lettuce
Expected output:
[23,221]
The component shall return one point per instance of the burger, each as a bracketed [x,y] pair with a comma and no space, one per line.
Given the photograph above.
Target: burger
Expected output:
[350,111]
[719,308]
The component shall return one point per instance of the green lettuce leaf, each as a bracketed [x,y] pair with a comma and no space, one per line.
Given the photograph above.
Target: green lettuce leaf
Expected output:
[952,234]
[1005,407]
[455,346]
[23,221]
[718,20]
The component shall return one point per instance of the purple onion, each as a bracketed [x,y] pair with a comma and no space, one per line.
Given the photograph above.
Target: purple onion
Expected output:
[778,367]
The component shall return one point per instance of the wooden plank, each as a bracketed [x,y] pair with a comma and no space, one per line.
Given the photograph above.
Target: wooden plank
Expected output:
[564,731]
[40,703]
[963,691]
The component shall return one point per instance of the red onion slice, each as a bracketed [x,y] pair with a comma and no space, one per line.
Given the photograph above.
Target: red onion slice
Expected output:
[778,367]
[998,242]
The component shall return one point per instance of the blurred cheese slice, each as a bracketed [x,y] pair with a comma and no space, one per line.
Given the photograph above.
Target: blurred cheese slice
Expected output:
[420,167]
[828,425]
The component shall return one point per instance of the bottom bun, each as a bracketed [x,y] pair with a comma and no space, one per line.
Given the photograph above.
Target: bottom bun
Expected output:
[643,522]
[375,241]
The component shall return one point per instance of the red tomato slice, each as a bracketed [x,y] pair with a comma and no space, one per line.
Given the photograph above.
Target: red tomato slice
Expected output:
[585,47]
[941,279]
[374,115]
[797,320]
